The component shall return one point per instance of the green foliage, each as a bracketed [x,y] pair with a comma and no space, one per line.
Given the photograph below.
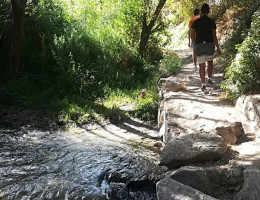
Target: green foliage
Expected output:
[79,110]
[147,108]
[83,52]
[243,75]
[170,65]
[144,107]
[241,29]
[220,7]
[179,34]
[75,52]
[183,9]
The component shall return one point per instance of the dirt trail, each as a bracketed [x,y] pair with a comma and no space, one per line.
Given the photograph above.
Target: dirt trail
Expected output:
[197,110]
[194,111]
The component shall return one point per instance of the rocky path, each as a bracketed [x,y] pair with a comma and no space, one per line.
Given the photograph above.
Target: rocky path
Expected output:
[198,128]
[194,110]
[191,110]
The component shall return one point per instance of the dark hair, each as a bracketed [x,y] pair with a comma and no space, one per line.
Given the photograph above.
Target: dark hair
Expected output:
[196,11]
[205,8]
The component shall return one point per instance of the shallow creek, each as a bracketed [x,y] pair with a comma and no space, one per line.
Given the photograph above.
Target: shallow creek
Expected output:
[36,164]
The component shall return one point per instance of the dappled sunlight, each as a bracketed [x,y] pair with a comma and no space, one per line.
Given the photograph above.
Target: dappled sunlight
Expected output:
[249,150]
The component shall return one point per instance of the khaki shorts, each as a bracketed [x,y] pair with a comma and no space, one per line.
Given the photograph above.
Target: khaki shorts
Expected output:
[204,52]
[204,58]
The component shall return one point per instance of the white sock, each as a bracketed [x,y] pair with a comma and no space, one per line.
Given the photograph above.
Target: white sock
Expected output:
[209,78]
[203,84]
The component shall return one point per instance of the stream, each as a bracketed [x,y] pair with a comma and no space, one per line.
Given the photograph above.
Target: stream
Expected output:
[44,164]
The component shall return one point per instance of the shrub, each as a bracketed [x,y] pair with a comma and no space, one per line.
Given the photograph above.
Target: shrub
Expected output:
[241,28]
[147,108]
[243,75]
[170,65]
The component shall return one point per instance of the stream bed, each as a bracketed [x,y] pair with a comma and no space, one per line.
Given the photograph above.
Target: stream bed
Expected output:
[44,164]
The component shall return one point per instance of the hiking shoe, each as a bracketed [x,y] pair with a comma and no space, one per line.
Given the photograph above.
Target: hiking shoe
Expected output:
[210,82]
[203,87]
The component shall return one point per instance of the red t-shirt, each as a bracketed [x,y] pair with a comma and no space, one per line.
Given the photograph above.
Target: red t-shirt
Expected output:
[192,20]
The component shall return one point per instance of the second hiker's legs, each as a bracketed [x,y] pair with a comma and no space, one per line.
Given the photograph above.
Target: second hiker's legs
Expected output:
[210,68]
[194,59]
[202,72]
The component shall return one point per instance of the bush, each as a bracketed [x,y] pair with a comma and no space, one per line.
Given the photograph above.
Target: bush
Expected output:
[243,75]
[82,56]
[170,65]
[147,109]
[241,28]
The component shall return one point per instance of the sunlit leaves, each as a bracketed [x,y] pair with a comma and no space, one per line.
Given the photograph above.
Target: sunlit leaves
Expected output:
[243,75]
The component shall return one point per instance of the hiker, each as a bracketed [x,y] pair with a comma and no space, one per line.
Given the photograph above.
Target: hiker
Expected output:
[196,16]
[205,41]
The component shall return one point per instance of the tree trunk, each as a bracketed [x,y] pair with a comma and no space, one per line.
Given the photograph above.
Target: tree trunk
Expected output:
[144,35]
[147,29]
[18,7]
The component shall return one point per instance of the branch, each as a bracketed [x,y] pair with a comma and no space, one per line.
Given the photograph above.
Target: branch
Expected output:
[157,28]
[145,20]
[156,14]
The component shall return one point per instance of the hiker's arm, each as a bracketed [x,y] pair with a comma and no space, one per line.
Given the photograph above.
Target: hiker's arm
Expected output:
[216,40]
[192,34]
[189,37]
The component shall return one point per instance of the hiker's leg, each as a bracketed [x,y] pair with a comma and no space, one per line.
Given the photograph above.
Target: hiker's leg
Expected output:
[210,57]
[202,72]
[194,59]
[210,68]
[202,63]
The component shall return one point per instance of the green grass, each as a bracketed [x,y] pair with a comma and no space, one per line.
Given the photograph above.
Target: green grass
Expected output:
[79,110]
[170,64]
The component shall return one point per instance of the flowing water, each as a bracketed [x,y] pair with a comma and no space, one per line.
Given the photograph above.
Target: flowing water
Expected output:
[36,164]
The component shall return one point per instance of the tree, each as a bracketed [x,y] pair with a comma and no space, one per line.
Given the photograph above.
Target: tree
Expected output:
[18,8]
[148,29]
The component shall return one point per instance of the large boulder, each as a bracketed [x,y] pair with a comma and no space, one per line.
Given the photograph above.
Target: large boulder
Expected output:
[210,180]
[204,180]
[169,189]
[249,110]
[192,148]
[251,187]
